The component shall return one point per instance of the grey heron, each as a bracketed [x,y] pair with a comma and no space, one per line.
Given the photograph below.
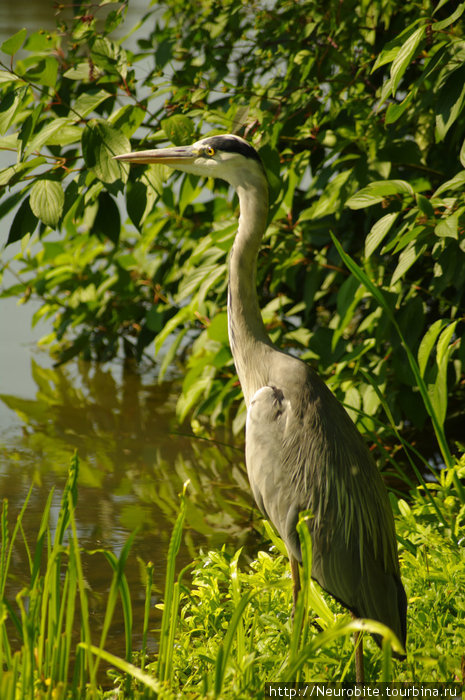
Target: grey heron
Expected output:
[303,452]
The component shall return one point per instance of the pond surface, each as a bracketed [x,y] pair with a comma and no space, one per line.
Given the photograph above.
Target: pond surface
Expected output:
[134,460]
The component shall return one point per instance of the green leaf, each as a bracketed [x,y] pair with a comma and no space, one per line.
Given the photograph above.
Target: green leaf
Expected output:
[65,136]
[47,199]
[8,106]
[81,71]
[145,679]
[107,221]
[154,319]
[455,183]
[24,222]
[443,346]
[405,55]
[462,154]
[451,101]
[46,132]
[387,55]
[188,192]
[88,101]
[439,26]
[427,344]
[406,259]
[438,390]
[377,191]
[136,200]
[218,328]
[14,43]
[178,129]
[424,205]
[100,143]
[127,119]
[395,111]
[392,48]
[109,56]
[448,227]
[330,200]
[378,232]
[45,72]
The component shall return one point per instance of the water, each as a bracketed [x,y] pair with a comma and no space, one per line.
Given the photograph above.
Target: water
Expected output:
[133,463]
[134,458]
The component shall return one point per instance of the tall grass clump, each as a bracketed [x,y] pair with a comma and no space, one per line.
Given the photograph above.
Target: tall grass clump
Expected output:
[226,626]
[46,648]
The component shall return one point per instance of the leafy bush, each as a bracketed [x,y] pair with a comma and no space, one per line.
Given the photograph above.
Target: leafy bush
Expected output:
[363,102]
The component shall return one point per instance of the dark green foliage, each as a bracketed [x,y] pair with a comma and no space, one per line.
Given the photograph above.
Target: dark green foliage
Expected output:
[363,102]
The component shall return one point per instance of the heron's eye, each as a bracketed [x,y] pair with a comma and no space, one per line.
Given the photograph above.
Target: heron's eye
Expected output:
[209,151]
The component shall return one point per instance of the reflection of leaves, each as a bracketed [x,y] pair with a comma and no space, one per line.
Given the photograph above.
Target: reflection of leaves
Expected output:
[27,409]
[126,435]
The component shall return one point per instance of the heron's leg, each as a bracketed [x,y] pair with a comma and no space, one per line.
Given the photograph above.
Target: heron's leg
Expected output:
[295,579]
[359,667]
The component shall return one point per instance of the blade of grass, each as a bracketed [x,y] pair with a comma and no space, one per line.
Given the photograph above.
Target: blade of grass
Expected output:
[341,628]
[119,585]
[417,473]
[226,646]
[85,617]
[168,620]
[148,600]
[236,596]
[148,681]
[380,298]
[5,561]
[386,661]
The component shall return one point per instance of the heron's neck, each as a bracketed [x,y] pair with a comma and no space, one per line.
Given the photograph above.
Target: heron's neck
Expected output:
[247,334]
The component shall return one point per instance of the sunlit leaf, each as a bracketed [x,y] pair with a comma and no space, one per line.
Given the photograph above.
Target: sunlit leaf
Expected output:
[330,200]
[455,183]
[427,344]
[218,329]
[11,45]
[448,227]
[395,111]
[45,72]
[44,133]
[439,26]
[88,101]
[378,191]
[405,55]
[406,259]
[378,232]
[178,129]
[47,199]
[100,143]
[8,106]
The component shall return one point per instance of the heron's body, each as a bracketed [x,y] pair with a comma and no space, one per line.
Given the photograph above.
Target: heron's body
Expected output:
[303,452]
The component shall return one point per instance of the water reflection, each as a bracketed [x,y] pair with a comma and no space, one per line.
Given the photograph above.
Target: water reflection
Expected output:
[133,463]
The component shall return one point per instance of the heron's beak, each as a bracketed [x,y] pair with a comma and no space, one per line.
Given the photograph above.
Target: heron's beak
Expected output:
[178,155]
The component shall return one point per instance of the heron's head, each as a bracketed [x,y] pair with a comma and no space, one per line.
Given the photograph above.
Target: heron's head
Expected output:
[227,157]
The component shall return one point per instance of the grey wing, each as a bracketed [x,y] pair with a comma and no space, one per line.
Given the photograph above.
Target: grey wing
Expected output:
[296,463]
[268,418]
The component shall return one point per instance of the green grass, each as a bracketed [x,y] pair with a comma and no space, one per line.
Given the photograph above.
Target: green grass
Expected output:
[226,626]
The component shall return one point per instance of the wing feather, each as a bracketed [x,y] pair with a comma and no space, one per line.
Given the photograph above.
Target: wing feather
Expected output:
[303,452]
